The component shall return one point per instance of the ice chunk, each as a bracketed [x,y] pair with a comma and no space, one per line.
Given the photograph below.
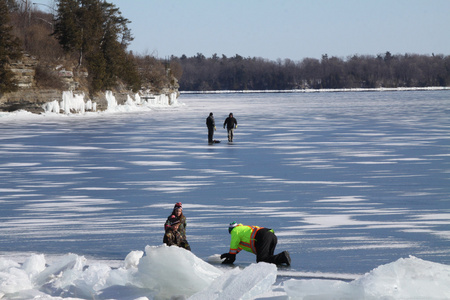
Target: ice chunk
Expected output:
[72,103]
[34,264]
[93,278]
[6,264]
[111,100]
[52,107]
[63,272]
[91,105]
[409,278]
[14,280]
[236,284]
[132,259]
[174,271]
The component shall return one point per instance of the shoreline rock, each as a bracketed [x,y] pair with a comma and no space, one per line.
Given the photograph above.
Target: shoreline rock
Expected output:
[30,97]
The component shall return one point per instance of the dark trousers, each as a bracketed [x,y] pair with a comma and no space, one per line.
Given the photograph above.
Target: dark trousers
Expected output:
[230,134]
[210,134]
[265,244]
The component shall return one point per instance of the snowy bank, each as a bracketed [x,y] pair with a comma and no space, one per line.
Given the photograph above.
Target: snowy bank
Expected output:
[381,89]
[174,273]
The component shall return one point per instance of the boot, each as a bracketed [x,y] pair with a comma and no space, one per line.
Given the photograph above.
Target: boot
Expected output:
[282,258]
[287,258]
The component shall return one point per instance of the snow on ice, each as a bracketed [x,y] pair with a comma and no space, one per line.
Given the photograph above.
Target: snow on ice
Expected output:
[175,273]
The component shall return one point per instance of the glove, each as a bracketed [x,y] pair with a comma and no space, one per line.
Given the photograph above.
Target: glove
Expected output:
[236,126]
[229,258]
[215,128]
[223,126]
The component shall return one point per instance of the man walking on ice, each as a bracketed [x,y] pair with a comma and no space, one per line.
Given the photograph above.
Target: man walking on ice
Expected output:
[231,124]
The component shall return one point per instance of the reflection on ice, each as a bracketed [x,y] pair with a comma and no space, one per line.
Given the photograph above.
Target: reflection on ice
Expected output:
[174,273]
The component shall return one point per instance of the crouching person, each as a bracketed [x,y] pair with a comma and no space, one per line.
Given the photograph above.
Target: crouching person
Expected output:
[257,240]
[173,236]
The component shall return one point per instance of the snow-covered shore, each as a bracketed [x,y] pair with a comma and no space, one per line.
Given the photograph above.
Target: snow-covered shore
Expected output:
[436,88]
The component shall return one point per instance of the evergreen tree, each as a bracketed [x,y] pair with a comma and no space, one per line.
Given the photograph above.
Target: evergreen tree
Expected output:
[9,50]
[116,37]
[68,26]
[99,34]
[129,73]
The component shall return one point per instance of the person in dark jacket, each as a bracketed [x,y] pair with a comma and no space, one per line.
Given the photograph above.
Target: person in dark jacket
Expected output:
[172,236]
[231,124]
[178,213]
[211,124]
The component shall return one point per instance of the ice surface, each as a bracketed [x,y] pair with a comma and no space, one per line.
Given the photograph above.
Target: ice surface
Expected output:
[339,204]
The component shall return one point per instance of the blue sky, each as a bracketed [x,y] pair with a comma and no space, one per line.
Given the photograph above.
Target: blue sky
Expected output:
[293,29]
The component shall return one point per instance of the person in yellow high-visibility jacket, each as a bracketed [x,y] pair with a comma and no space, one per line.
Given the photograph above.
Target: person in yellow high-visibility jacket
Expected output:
[257,240]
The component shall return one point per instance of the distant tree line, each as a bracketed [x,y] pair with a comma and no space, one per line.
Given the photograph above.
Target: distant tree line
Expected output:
[357,71]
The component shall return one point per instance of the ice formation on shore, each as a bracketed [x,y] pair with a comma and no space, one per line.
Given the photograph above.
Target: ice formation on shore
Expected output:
[75,103]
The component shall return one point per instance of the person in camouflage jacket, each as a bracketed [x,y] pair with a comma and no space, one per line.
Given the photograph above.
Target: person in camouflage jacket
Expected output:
[178,213]
[172,236]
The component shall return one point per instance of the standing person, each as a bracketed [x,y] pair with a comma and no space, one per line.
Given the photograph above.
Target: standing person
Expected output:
[211,124]
[257,240]
[178,213]
[231,124]
[172,236]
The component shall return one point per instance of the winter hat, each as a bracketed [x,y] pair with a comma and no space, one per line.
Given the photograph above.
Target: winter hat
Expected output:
[178,205]
[173,220]
[231,226]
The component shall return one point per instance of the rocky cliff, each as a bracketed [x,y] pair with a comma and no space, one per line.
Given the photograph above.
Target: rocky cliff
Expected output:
[32,97]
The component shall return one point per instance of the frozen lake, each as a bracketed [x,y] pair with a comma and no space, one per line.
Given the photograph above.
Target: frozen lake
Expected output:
[348,180]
